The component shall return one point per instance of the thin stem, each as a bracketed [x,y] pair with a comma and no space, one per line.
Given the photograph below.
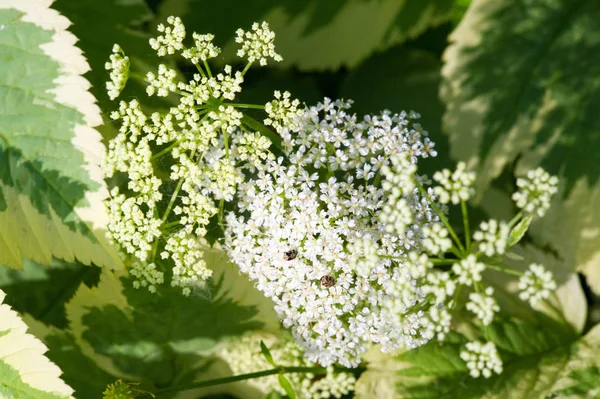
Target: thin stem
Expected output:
[504,270]
[172,201]
[441,215]
[437,261]
[242,377]
[246,68]
[463,206]
[514,220]
[200,70]
[168,149]
[207,68]
[255,106]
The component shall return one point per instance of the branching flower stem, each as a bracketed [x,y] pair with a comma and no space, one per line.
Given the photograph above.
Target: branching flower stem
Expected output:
[242,377]
[465,215]
[442,217]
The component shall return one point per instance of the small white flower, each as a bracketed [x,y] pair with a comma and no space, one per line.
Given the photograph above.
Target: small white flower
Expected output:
[440,285]
[257,44]
[535,191]
[483,305]
[437,323]
[119,67]
[172,38]
[536,284]
[163,83]
[482,359]
[146,275]
[492,237]
[204,50]
[468,270]
[282,112]
[454,186]
[436,239]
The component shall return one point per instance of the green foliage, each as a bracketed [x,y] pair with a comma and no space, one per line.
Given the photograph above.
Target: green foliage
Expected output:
[520,88]
[536,357]
[529,94]
[50,187]
[317,34]
[24,370]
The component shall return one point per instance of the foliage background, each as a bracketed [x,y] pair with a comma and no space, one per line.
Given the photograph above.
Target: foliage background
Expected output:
[504,86]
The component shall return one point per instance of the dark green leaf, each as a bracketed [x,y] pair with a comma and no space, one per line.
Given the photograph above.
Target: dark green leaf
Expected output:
[267,354]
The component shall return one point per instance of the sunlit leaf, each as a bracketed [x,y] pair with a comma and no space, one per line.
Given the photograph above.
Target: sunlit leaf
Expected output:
[531,93]
[51,186]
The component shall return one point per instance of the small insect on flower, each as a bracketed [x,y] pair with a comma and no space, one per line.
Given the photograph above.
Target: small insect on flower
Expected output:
[290,255]
[327,281]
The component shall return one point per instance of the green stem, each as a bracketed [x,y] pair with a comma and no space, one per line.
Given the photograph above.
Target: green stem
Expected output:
[465,215]
[242,377]
[437,261]
[166,150]
[514,220]
[255,106]
[504,270]
[441,215]
[172,201]
[207,68]
[246,68]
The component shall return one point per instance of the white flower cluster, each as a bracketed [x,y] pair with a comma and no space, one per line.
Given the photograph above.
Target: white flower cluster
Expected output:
[172,38]
[339,279]
[243,354]
[211,149]
[119,67]
[536,284]
[482,359]
[257,44]
[468,271]
[492,237]
[282,112]
[535,191]
[483,305]
[454,186]
[204,50]
[436,240]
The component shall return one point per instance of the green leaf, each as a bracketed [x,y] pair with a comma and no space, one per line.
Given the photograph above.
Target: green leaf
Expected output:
[287,387]
[315,34]
[521,84]
[24,370]
[42,291]
[534,356]
[267,354]
[82,373]
[51,186]
[517,232]
[98,24]
[163,339]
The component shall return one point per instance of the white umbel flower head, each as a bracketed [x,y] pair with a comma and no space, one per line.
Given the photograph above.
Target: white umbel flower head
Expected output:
[436,240]
[282,111]
[118,65]
[536,284]
[163,83]
[204,49]
[535,191]
[483,305]
[492,237]
[454,186]
[309,234]
[468,270]
[257,44]
[437,323]
[172,38]
[482,359]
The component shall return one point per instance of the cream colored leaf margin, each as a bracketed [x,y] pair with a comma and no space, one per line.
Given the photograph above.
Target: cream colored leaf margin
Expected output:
[72,90]
[25,353]
[572,226]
